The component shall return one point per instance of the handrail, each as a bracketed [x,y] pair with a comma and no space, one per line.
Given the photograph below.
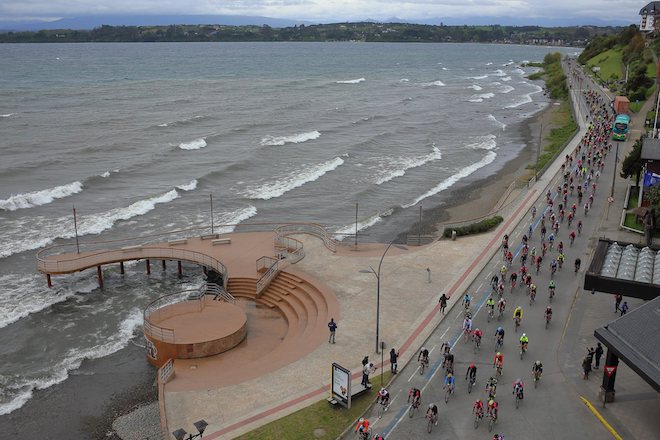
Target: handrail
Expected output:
[219,292]
[313,229]
[155,307]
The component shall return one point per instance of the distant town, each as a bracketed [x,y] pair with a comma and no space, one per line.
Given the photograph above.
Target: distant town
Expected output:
[576,36]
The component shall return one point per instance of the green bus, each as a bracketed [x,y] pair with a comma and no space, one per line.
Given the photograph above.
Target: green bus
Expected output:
[621,127]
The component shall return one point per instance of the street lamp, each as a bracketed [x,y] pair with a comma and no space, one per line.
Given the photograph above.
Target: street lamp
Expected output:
[377,274]
[180,434]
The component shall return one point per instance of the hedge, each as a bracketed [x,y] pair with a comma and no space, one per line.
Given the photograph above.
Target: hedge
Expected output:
[484,225]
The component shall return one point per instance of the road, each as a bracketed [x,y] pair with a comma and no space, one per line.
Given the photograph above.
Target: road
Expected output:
[554,409]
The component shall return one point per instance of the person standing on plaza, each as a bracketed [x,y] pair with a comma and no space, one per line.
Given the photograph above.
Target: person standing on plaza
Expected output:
[365,376]
[366,371]
[599,353]
[394,358]
[617,302]
[443,303]
[624,308]
[332,326]
[586,367]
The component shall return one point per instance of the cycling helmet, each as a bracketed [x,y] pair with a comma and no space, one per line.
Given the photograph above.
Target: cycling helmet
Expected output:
[491,402]
[430,405]
[472,365]
[476,329]
[538,362]
[422,349]
[361,419]
[382,389]
[449,374]
[498,354]
[499,329]
[524,335]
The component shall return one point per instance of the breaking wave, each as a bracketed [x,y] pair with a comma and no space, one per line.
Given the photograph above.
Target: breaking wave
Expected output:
[351,81]
[193,145]
[38,198]
[294,139]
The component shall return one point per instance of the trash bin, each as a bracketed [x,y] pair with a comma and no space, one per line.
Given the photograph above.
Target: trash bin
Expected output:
[453,235]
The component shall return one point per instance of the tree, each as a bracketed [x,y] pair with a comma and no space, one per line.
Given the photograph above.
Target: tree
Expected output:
[632,164]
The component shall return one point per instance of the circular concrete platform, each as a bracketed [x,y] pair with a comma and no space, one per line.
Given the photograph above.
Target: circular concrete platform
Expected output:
[194,329]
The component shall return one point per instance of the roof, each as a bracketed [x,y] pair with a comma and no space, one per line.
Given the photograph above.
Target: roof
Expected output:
[614,274]
[651,148]
[651,8]
[634,339]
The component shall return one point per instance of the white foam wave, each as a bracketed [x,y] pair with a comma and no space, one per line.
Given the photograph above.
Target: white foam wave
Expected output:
[451,180]
[361,225]
[7,115]
[193,145]
[506,78]
[404,80]
[351,81]
[475,87]
[481,97]
[295,139]
[164,124]
[190,186]
[74,357]
[499,72]
[501,124]
[437,83]
[478,77]
[487,142]
[519,71]
[476,100]
[35,232]
[235,217]
[507,89]
[38,198]
[525,99]
[444,68]
[106,174]
[398,167]
[295,179]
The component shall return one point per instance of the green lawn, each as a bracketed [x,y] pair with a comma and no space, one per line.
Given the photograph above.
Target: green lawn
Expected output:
[319,420]
[611,66]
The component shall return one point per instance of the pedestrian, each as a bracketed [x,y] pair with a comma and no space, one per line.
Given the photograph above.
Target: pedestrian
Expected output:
[624,308]
[332,326]
[599,353]
[394,357]
[443,303]
[368,369]
[590,356]
[586,366]
[617,302]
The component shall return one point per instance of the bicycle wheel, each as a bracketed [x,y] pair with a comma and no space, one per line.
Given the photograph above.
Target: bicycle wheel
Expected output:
[411,411]
[536,382]
[381,410]
[470,386]
[490,424]
[421,368]
[517,402]
[476,421]
[447,394]
[429,425]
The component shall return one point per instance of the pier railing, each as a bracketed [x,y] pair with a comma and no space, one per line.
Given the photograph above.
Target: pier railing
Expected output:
[314,229]
[153,313]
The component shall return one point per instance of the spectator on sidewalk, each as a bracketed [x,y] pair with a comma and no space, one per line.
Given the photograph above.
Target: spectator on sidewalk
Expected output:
[586,367]
[443,303]
[617,302]
[332,326]
[599,353]
[624,308]
[590,356]
[366,371]
[394,358]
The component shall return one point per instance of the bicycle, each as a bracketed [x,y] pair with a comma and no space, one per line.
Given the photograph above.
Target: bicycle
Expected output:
[363,435]
[493,419]
[516,320]
[547,321]
[423,363]
[466,335]
[478,416]
[498,371]
[448,393]
[499,342]
[477,343]
[518,397]
[532,296]
[552,293]
[537,377]
[413,407]
[471,381]
[523,350]
[433,420]
[491,313]
[382,408]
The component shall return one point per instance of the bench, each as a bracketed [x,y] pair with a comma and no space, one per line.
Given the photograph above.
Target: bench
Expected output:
[221,241]
[209,236]
[137,247]
[179,241]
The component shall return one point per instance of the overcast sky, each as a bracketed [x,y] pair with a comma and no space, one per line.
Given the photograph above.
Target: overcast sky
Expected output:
[330,10]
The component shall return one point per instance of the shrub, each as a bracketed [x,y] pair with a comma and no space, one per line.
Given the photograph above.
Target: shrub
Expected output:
[479,227]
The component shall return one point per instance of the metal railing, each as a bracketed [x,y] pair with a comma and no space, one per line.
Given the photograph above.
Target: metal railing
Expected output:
[313,229]
[219,292]
[166,372]
[154,312]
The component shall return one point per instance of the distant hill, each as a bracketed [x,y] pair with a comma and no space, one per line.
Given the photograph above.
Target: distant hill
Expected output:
[91,22]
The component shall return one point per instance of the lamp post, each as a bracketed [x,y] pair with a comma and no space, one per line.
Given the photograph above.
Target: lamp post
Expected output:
[180,434]
[377,275]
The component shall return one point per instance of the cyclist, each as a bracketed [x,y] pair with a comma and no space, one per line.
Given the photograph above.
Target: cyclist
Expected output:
[494,281]
[491,304]
[539,260]
[379,437]
[571,237]
[537,369]
[471,373]
[532,290]
[514,279]
[492,409]
[415,395]
[501,305]
[579,226]
[449,362]
[491,387]
[423,356]
[450,382]
[466,301]
[551,288]
[577,264]
[498,361]
[498,437]
[467,324]
[499,333]
[524,341]
[548,313]
[363,427]
[517,314]
[533,212]
[432,413]
[477,334]
[553,268]
[383,397]
[518,387]
[503,270]
[560,247]
[478,408]
[560,259]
